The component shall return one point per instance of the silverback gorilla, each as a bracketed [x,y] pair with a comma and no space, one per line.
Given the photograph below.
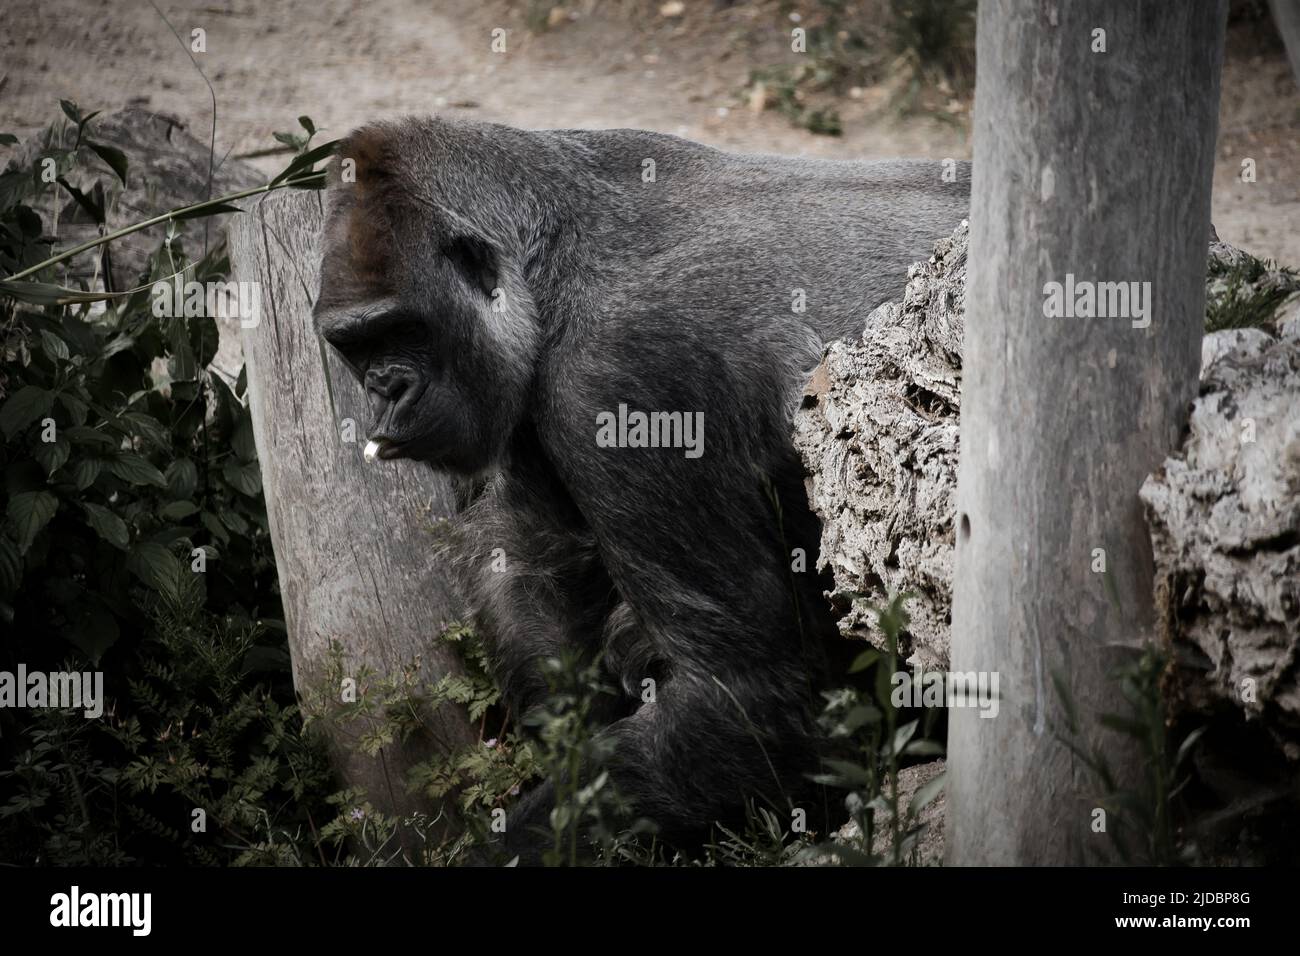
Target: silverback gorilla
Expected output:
[512,301]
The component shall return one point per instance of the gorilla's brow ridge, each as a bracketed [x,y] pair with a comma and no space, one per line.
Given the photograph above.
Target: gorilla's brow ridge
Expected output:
[356,320]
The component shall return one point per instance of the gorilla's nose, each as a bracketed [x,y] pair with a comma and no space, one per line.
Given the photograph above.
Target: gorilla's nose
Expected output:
[389,382]
[386,387]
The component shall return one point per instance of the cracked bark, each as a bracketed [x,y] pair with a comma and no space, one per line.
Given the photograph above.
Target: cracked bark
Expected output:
[354,544]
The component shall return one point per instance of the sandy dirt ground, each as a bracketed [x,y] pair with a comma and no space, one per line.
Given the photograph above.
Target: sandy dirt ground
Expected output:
[615,64]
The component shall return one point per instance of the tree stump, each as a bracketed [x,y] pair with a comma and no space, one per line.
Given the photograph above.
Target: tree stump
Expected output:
[354,543]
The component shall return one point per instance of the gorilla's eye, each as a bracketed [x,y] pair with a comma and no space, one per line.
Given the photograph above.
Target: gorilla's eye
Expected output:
[475,259]
[346,328]
[358,332]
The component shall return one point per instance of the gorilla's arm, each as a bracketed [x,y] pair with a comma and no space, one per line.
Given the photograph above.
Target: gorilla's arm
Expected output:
[697,551]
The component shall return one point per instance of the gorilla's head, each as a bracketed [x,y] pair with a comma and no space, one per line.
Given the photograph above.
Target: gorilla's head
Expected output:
[423,289]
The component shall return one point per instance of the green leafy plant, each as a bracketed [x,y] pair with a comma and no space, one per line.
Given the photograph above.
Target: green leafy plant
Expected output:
[1246,292]
[135,543]
[835,55]
[868,724]
[462,783]
[589,812]
[914,47]
[1140,816]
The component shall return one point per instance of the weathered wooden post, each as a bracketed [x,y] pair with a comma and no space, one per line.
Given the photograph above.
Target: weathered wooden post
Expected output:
[354,543]
[1094,150]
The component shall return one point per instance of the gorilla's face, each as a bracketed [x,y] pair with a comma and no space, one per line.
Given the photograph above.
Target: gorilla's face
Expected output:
[413,405]
[444,354]
[423,294]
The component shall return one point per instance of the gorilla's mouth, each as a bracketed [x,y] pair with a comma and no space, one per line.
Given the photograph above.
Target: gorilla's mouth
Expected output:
[395,392]
[384,449]
[414,407]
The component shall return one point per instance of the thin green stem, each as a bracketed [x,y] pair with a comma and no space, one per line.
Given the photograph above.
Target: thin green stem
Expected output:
[169,216]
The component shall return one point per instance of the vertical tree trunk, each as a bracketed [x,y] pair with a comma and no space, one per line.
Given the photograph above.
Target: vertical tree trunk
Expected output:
[353,542]
[1096,165]
[1286,15]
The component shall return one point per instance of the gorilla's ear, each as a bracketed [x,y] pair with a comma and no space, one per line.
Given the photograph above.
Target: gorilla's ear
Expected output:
[476,259]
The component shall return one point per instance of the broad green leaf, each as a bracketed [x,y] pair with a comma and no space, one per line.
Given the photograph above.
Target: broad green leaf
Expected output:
[176,510]
[52,454]
[86,471]
[926,794]
[211,551]
[108,525]
[136,471]
[234,521]
[903,734]
[24,407]
[182,478]
[864,660]
[923,748]
[54,347]
[860,716]
[214,526]
[245,478]
[155,566]
[114,157]
[77,409]
[147,427]
[848,773]
[30,512]
[85,435]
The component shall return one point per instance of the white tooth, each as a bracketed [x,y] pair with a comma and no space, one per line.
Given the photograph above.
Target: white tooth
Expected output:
[372,450]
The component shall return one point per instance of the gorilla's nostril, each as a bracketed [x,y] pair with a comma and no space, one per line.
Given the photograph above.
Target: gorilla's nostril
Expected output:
[389,382]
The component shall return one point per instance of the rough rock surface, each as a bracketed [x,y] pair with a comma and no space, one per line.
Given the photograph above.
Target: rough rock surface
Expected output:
[878,432]
[1225,526]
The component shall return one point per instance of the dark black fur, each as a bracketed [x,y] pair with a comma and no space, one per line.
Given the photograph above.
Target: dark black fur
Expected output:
[671,295]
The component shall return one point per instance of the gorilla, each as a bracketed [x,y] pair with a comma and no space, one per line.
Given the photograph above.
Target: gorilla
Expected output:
[602,335]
